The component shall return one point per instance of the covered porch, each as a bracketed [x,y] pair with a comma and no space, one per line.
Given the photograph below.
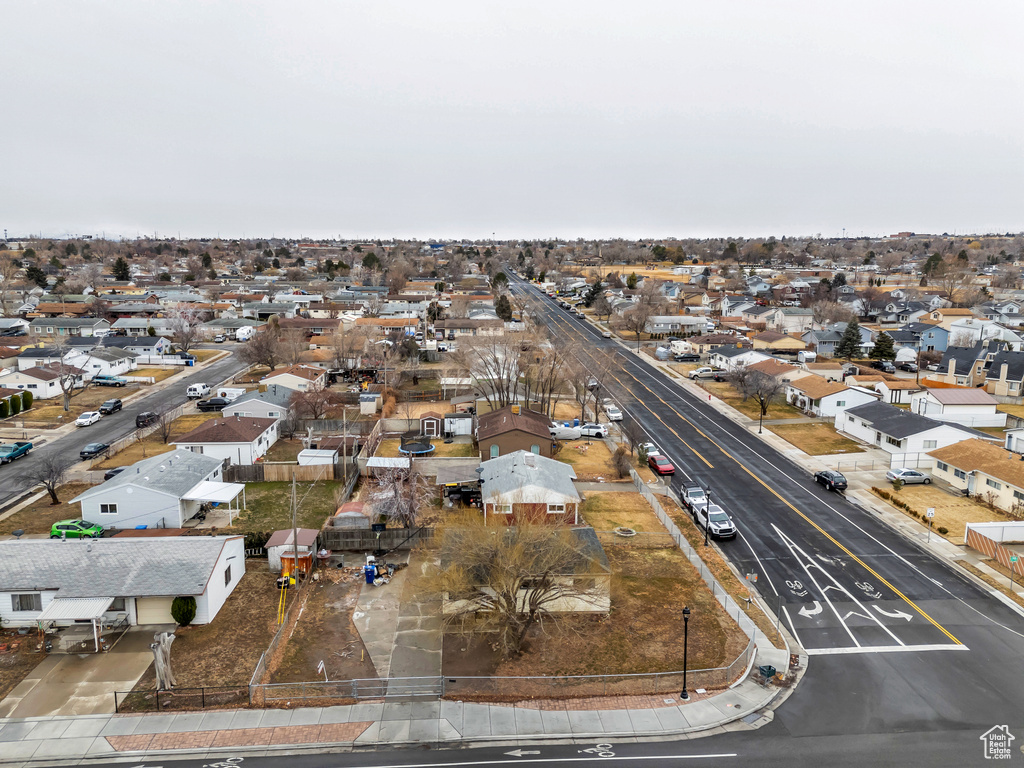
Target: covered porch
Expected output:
[205,500]
[90,630]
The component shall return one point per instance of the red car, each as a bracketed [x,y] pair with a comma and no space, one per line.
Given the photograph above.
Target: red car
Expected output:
[660,464]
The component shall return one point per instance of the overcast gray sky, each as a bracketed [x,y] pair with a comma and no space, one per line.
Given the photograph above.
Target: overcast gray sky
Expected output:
[525,119]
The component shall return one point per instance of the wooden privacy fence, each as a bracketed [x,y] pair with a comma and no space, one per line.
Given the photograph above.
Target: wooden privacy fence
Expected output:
[278,472]
[348,540]
[994,549]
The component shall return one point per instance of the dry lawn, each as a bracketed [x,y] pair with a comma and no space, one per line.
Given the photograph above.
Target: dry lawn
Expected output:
[739,590]
[202,355]
[159,374]
[153,445]
[38,516]
[1013,410]
[389,448]
[592,461]
[46,412]
[225,652]
[818,439]
[951,512]
[284,450]
[609,510]
[994,583]
[725,392]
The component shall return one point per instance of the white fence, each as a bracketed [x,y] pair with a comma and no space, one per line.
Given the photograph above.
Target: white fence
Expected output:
[1012,532]
[161,360]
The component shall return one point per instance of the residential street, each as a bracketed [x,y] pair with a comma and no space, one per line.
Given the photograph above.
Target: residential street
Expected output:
[115,426]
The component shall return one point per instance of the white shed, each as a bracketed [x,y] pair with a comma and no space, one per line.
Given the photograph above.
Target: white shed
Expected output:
[458,424]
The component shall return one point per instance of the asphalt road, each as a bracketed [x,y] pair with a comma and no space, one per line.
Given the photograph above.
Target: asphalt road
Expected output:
[110,428]
[900,640]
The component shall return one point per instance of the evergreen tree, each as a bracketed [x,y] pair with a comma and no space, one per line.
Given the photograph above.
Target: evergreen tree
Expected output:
[883,349]
[503,308]
[631,281]
[849,346]
[121,270]
[593,293]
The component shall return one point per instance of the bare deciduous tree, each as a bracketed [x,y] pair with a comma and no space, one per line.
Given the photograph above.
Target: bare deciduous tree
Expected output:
[634,320]
[294,345]
[399,495]
[313,402]
[826,312]
[50,472]
[185,322]
[758,386]
[264,348]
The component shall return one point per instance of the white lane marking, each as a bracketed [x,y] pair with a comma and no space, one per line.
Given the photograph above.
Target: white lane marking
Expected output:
[792,627]
[763,569]
[898,614]
[557,760]
[807,612]
[882,649]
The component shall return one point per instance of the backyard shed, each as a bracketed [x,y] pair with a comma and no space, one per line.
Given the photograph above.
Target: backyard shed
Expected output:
[283,544]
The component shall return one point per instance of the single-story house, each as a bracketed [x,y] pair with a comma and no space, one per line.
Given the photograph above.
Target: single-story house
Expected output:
[828,369]
[297,377]
[513,428]
[36,356]
[775,341]
[898,431]
[982,469]
[777,369]
[162,491]
[150,346]
[522,485]
[892,390]
[271,404]
[731,358]
[139,326]
[234,439]
[104,362]
[683,325]
[102,581]
[972,407]
[826,398]
[43,381]
[69,326]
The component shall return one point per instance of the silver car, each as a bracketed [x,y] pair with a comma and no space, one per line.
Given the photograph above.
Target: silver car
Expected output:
[908,476]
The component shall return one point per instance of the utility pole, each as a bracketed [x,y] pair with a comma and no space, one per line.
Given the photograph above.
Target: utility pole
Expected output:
[295,530]
[344,442]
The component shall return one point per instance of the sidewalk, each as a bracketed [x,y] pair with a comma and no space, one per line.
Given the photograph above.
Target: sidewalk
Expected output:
[253,732]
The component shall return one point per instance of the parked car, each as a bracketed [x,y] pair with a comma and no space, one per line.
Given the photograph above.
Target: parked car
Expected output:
[146,418]
[113,472]
[75,529]
[11,451]
[111,406]
[694,496]
[687,357]
[884,366]
[908,476]
[87,418]
[109,381]
[594,430]
[660,464]
[834,481]
[213,404]
[649,449]
[606,334]
[908,367]
[613,413]
[92,450]
[718,523]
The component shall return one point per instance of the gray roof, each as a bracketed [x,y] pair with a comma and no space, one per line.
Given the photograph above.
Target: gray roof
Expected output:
[175,473]
[521,469]
[69,322]
[275,395]
[965,358]
[129,567]
[895,422]
[730,351]
[112,354]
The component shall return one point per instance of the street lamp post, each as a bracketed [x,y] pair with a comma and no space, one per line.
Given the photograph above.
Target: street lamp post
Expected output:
[760,421]
[686,636]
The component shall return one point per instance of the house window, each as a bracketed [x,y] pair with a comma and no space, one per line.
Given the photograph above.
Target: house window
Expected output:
[535,449]
[942,466]
[993,484]
[503,509]
[196,448]
[108,509]
[930,444]
[892,441]
[117,605]
[840,403]
[32,386]
[556,509]
[959,474]
[1018,496]
[494,451]
[227,576]
[27,602]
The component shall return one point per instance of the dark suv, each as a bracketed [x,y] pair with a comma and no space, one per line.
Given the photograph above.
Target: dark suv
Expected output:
[146,418]
[834,481]
[110,406]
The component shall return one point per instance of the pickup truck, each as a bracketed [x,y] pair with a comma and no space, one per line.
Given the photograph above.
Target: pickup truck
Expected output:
[694,497]
[11,451]
[109,381]
[706,372]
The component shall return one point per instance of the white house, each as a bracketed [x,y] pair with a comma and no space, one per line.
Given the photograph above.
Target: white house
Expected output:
[43,381]
[731,358]
[900,432]
[971,407]
[101,581]
[235,439]
[104,362]
[272,404]
[982,469]
[966,332]
[826,398]
[162,491]
[297,377]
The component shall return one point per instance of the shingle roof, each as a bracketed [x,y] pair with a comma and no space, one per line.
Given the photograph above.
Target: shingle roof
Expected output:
[175,473]
[895,422]
[1014,366]
[231,429]
[817,387]
[503,420]
[116,567]
[984,457]
[275,395]
[308,372]
[772,367]
[528,476]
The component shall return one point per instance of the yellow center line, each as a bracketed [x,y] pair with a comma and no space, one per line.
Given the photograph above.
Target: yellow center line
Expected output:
[777,495]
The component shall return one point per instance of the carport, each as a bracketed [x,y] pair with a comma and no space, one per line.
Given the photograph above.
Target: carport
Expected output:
[212,492]
[89,609]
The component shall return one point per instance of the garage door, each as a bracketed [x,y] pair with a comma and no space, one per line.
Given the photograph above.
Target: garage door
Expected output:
[153,610]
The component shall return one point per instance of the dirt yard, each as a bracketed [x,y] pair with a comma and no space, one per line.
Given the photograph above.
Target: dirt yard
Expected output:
[951,512]
[818,439]
[325,632]
[225,652]
[18,657]
[38,516]
[608,510]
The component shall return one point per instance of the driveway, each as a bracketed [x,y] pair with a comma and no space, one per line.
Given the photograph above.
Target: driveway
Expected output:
[82,684]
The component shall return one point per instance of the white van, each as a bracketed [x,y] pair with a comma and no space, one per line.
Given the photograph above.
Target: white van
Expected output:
[197,391]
